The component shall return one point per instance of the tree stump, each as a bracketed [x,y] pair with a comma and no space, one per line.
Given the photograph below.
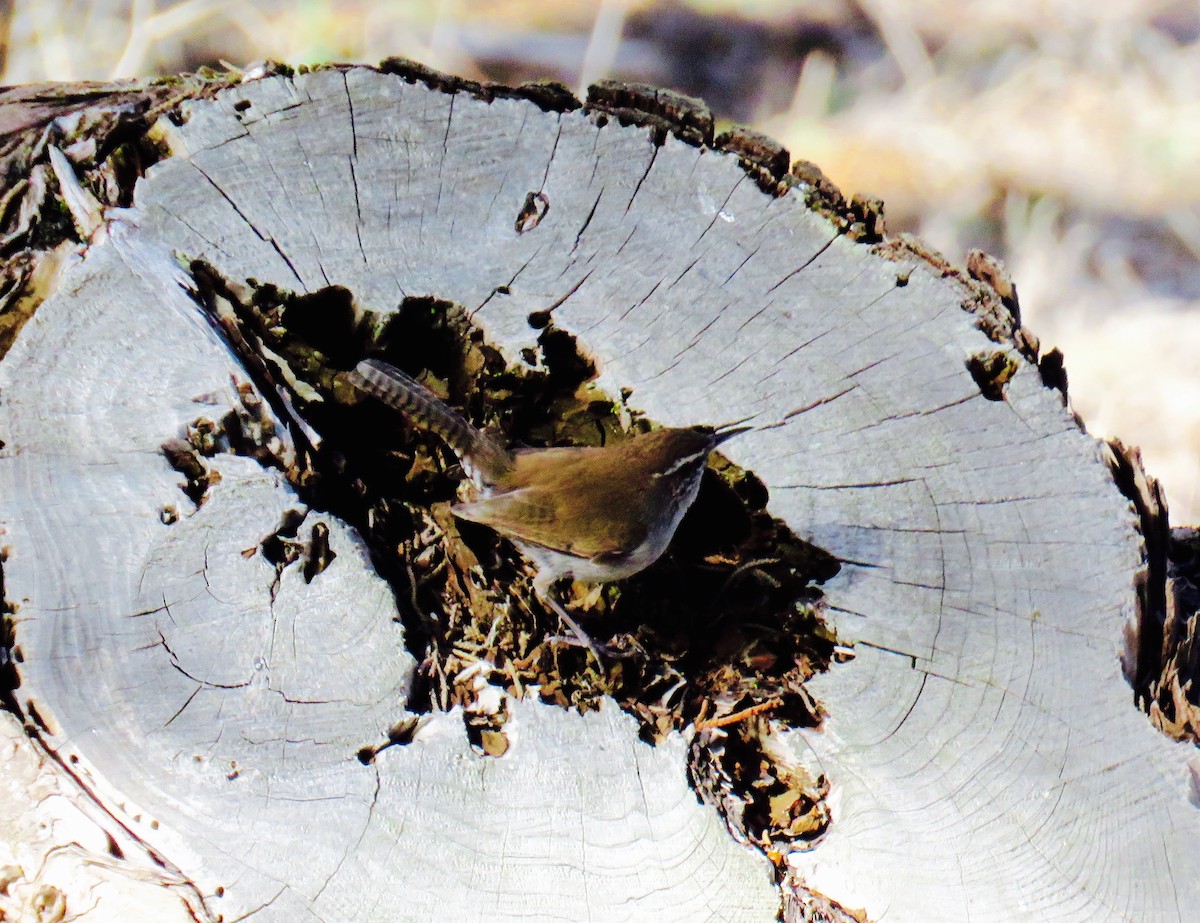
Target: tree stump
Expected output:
[221,670]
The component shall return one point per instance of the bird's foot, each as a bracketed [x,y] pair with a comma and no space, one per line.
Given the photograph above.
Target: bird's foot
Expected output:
[581,638]
[601,652]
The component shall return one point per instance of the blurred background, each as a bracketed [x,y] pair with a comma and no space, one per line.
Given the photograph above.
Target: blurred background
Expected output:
[1062,136]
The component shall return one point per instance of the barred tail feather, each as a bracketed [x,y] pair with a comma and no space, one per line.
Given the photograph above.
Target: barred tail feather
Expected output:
[489,460]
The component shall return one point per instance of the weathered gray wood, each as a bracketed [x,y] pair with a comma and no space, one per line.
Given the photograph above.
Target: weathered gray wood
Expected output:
[985,757]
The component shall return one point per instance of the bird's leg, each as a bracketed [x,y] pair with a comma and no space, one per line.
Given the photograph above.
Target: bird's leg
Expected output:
[542,585]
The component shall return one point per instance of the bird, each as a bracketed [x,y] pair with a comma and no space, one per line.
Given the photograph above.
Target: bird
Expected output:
[595,514]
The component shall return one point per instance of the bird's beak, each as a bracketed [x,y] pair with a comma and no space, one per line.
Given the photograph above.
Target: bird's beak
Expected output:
[728,432]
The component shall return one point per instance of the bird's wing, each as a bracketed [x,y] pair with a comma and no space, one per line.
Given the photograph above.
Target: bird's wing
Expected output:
[532,515]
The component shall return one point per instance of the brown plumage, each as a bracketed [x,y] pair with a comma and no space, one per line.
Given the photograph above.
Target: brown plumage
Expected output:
[595,514]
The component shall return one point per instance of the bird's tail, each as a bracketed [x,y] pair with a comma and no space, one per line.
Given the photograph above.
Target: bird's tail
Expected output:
[484,459]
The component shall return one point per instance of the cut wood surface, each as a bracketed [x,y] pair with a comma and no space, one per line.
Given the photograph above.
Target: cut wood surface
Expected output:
[985,758]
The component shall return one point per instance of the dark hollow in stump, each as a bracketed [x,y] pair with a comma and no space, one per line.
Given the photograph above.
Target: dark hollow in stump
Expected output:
[214,657]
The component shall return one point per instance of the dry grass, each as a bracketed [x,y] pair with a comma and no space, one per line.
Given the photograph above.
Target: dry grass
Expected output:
[1063,136]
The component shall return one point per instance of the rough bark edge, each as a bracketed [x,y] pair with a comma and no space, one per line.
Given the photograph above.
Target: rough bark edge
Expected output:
[106,125]
[1161,658]
[1180,668]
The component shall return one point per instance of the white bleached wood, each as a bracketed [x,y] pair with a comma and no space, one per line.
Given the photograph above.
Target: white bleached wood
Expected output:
[986,760]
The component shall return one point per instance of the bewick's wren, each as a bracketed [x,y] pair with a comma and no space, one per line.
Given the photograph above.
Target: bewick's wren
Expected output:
[594,514]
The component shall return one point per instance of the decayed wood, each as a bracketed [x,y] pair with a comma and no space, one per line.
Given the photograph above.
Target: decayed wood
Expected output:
[984,756]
